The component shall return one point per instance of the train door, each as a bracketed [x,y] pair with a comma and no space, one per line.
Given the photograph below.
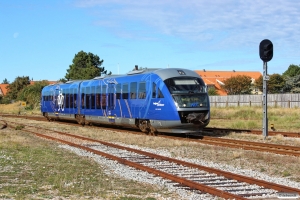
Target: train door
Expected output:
[111,98]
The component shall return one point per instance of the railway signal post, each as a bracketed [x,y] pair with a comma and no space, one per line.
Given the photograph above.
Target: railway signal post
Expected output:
[266,54]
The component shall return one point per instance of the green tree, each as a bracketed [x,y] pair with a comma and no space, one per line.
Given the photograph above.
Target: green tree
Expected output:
[292,71]
[212,91]
[275,84]
[32,93]
[239,84]
[5,81]
[15,87]
[85,66]
[292,84]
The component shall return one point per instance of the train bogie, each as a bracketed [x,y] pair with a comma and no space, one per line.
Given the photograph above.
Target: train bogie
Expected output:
[153,100]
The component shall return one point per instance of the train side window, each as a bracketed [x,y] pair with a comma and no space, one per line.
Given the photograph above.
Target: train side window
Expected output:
[133,89]
[142,90]
[103,98]
[125,91]
[71,99]
[75,98]
[118,91]
[159,93]
[67,105]
[83,98]
[153,90]
[93,97]
[88,97]
[98,97]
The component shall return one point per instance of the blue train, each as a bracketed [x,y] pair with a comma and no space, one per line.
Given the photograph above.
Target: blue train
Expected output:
[168,100]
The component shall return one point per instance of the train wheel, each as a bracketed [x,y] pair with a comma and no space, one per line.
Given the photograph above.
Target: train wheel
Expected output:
[80,119]
[143,125]
[153,131]
[47,117]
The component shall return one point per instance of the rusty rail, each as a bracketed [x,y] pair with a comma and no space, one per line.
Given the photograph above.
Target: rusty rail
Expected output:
[180,180]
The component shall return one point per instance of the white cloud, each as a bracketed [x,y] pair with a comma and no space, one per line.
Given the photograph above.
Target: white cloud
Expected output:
[219,23]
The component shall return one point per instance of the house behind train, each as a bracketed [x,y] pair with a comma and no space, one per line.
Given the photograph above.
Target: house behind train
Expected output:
[216,78]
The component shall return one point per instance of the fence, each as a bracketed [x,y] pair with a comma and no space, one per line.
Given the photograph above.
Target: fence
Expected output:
[274,100]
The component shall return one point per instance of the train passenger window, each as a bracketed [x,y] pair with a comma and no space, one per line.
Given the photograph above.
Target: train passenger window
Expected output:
[75,98]
[125,91]
[98,97]
[103,98]
[153,90]
[88,97]
[71,99]
[159,93]
[67,97]
[118,91]
[82,98]
[93,97]
[142,90]
[133,89]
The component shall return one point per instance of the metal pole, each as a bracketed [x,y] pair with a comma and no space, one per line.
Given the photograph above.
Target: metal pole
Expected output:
[265,102]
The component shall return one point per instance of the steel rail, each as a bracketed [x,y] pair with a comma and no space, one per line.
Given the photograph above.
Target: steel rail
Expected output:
[280,188]
[182,181]
[255,132]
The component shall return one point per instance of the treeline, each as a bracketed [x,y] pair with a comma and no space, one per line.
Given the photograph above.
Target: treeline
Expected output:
[84,66]
[288,82]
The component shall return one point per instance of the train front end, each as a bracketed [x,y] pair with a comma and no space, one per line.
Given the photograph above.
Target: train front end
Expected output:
[190,109]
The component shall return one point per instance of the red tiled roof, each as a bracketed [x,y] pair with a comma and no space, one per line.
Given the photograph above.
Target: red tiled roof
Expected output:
[216,78]
[3,89]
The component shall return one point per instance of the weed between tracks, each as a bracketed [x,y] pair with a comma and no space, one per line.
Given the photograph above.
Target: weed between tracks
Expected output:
[32,168]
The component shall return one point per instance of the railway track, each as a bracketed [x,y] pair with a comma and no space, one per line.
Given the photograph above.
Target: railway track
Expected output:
[188,176]
[232,143]
[214,130]
[208,130]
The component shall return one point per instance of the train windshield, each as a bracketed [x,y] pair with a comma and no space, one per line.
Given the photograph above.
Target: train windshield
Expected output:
[188,92]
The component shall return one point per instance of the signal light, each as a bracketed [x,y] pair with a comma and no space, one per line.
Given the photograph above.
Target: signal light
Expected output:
[266,50]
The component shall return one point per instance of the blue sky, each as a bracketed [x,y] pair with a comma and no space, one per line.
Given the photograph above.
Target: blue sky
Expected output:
[39,39]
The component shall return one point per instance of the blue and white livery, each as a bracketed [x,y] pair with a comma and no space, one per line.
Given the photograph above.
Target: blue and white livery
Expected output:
[154,100]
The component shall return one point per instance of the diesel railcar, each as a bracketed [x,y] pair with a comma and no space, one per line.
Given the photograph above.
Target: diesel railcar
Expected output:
[170,100]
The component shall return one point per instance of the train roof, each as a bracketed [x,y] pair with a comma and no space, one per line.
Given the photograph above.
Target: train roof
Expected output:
[164,73]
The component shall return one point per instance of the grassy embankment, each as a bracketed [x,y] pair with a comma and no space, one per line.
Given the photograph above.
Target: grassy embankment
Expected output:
[32,168]
[284,119]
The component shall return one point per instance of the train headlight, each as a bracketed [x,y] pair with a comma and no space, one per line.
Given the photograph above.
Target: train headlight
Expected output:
[184,105]
[200,105]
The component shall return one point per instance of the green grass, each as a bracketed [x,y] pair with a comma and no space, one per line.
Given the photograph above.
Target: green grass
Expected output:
[284,119]
[32,168]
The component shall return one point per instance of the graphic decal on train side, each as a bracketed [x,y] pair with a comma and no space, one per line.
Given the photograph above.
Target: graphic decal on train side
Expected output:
[158,103]
[60,101]
[57,103]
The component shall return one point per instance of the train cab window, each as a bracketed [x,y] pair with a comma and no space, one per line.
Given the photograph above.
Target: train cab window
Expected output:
[88,97]
[93,97]
[133,89]
[75,98]
[83,98]
[153,90]
[125,91]
[67,98]
[159,93]
[98,97]
[142,90]
[118,91]
[103,98]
